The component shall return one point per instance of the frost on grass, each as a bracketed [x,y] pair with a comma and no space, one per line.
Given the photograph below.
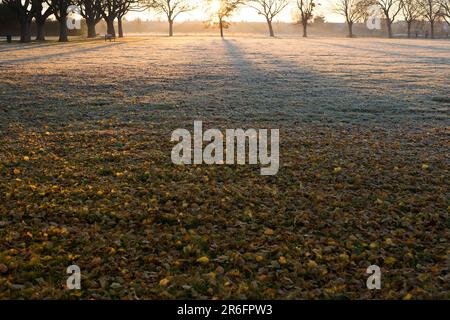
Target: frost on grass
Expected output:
[86,176]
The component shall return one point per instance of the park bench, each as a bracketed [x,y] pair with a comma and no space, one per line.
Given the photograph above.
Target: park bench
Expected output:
[110,37]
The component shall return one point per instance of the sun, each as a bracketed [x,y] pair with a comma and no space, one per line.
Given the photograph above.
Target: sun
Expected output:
[215,5]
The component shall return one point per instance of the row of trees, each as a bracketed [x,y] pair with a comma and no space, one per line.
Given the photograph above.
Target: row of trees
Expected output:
[412,10]
[353,11]
[93,11]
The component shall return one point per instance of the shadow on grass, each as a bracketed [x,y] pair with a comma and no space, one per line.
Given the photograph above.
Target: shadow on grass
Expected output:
[60,54]
[423,59]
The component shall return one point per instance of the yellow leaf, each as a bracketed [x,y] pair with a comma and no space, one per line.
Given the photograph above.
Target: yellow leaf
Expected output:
[344,256]
[268,232]
[337,169]
[96,261]
[34,260]
[422,277]
[258,258]
[26,158]
[164,282]
[71,257]
[16,171]
[312,264]
[282,260]
[425,166]
[203,259]
[407,297]
[390,260]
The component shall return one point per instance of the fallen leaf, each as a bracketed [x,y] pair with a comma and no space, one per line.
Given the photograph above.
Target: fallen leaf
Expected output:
[312,264]
[390,261]
[203,259]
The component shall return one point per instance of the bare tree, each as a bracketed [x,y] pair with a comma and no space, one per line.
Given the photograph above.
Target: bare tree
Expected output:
[306,8]
[40,17]
[59,8]
[25,13]
[445,10]
[171,8]
[411,12]
[125,6]
[352,10]
[430,11]
[222,10]
[109,10]
[390,9]
[91,11]
[269,9]
[116,9]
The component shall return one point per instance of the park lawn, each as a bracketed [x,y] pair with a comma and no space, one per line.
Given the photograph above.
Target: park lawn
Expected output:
[87,179]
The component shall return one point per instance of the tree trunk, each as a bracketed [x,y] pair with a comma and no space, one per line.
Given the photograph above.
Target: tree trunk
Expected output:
[350,29]
[170,28]
[63,29]
[25,30]
[409,28]
[221,28]
[91,28]
[389,27]
[40,26]
[110,26]
[269,22]
[305,27]
[119,27]
[432,29]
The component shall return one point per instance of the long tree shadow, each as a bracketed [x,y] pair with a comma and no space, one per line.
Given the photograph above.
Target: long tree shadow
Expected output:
[413,46]
[424,59]
[60,54]
[28,46]
[279,89]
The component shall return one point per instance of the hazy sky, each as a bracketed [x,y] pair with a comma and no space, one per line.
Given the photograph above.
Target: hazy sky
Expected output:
[245,13]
